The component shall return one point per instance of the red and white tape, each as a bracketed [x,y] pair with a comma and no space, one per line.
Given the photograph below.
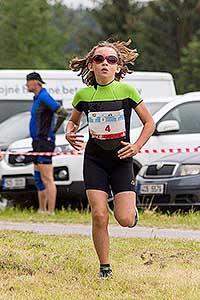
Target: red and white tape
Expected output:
[75,152]
[170,150]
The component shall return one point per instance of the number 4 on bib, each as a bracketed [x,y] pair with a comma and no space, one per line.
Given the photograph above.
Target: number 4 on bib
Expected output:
[108,128]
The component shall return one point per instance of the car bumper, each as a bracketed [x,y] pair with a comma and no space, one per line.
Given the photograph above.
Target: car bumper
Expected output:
[67,175]
[177,191]
[70,192]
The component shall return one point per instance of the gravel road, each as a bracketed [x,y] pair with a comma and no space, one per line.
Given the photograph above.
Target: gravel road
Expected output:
[115,231]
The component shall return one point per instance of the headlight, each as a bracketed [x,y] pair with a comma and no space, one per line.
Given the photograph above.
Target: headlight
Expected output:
[63,148]
[142,171]
[186,170]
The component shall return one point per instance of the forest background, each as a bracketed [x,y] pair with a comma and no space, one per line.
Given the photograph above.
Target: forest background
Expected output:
[41,34]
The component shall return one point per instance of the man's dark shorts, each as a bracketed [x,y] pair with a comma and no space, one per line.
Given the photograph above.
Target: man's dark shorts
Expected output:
[43,146]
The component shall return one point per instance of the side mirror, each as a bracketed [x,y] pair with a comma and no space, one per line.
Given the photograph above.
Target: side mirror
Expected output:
[167,126]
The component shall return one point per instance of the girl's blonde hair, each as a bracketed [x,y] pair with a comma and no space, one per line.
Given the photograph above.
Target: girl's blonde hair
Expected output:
[126,56]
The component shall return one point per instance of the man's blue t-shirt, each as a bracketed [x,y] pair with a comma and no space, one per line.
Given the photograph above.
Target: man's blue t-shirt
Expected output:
[42,116]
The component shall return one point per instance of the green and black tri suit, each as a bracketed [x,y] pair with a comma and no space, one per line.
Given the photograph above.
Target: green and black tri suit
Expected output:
[108,109]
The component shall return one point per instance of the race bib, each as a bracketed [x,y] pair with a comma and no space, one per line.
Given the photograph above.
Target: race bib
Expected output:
[105,125]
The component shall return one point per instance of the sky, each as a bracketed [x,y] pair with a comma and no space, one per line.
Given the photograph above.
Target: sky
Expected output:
[77,3]
[86,3]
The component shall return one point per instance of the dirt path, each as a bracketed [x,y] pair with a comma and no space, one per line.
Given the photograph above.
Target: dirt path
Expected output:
[115,231]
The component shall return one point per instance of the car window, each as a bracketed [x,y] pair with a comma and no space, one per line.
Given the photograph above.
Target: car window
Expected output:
[187,114]
[153,107]
[13,107]
[15,128]
[83,123]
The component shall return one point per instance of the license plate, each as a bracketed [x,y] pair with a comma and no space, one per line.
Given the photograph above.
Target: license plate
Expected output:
[14,183]
[151,189]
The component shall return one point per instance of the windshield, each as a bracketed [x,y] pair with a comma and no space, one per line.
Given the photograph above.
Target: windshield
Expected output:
[82,126]
[15,128]
[153,107]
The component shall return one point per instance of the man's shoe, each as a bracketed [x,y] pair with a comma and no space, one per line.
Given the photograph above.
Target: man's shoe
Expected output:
[105,274]
[51,213]
[135,220]
[40,211]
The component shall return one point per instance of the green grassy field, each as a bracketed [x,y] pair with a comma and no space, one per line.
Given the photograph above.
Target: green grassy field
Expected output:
[190,220]
[41,267]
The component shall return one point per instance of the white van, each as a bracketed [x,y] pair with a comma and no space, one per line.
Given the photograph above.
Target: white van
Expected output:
[63,84]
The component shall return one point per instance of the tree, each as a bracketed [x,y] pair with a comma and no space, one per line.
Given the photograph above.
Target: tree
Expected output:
[189,72]
[118,20]
[27,37]
[83,35]
[167,27]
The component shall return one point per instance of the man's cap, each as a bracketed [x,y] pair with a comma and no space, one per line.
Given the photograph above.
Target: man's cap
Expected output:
[34,76]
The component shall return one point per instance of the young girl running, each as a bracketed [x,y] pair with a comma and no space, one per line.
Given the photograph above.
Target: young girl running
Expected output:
[107,104]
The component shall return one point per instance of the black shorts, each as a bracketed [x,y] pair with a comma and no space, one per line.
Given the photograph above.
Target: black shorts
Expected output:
[43,146]
[106,171]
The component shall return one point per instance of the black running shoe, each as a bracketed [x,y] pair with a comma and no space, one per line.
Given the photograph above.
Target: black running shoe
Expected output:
[105,273]
[135,220]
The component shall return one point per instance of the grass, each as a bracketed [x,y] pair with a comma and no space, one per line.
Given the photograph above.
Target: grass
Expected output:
[30,215]
[40,267]
[149,218]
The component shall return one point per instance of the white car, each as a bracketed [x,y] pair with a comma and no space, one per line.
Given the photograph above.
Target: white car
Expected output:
[177,126]
[17,173]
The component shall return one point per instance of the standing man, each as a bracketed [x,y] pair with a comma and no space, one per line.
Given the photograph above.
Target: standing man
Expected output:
[42,131]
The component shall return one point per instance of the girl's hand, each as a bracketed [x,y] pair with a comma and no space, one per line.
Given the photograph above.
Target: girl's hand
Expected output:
[129,150]
[75,140]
